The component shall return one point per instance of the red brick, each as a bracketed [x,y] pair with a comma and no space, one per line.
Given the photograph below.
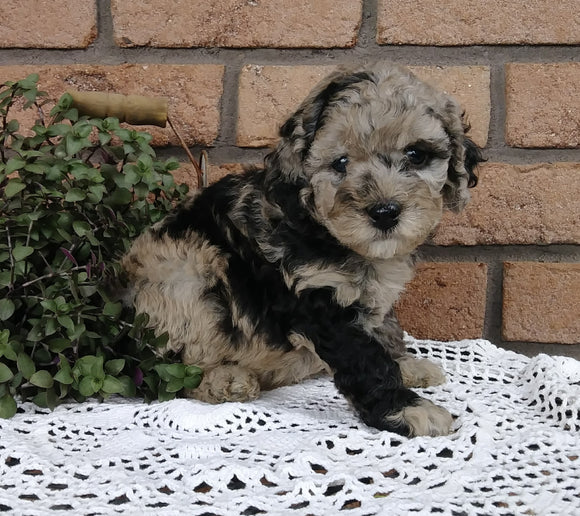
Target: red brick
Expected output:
[235,23]
[470,86]
[269,94]
[493,22]
[543,104]
[541,302]
[518,204]
[194,92]
[45,24]
[445,301]
[186,173]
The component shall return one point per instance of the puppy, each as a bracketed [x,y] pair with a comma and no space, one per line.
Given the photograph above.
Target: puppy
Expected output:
[269,277]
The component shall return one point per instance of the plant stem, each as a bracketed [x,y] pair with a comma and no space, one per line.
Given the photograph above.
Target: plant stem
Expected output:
[12,269]
[52,275]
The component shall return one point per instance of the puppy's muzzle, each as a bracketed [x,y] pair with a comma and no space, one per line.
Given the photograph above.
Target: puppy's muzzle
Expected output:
[385,216]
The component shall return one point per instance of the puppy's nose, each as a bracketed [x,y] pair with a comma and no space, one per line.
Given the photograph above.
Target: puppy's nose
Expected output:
[385,215]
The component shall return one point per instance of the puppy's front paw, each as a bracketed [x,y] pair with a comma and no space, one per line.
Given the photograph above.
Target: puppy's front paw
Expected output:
[422,418]
[420,372]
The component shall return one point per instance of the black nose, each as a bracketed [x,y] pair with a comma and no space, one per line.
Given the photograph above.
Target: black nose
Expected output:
[386,215]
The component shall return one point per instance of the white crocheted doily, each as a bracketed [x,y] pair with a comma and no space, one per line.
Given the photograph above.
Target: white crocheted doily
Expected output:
[301,450]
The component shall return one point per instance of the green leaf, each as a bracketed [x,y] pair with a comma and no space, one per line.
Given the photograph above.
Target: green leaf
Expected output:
[58,130]
[169,371]
[6,309]
[20,252]
[193,371]
[49,304]
[14,164]
[112,309]
[6,349]
[97,370]
[46,399]
[174,385]
[12,126]
[112,386]
[96,193]
[172,164]
[160,341]
[51,326]
[7,406]
[64,376]
[58,345]
[5,373]
[191,382]
[5,278]
[75,194]
[88,386]
[114,367]
[78,330]
[73,144]
[81,228]
[129,388]
[82,129]
[120,197]
[25,365]
[164,395]
[67,322]
[141,190]
[35,169]
[42,379]
[163,373]
[14,187]
[30,82]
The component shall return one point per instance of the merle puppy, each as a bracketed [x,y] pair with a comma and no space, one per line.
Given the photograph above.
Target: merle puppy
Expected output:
[269,277]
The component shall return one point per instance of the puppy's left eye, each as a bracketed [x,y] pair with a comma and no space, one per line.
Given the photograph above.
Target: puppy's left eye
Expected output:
[340,164]
[416,156]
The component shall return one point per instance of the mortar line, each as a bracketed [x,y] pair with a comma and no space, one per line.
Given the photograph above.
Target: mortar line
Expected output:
[493,316]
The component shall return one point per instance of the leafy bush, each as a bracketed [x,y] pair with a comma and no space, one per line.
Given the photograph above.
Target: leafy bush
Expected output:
[74,192]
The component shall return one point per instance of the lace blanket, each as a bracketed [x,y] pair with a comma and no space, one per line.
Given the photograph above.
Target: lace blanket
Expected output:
[301,450]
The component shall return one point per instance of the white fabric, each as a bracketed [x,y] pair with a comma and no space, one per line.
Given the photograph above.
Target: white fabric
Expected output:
[301,450]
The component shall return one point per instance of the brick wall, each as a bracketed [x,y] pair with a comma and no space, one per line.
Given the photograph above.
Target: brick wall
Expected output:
[507,268]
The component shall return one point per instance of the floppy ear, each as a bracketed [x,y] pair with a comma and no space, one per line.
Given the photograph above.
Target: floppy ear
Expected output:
[299,131]
[465,156]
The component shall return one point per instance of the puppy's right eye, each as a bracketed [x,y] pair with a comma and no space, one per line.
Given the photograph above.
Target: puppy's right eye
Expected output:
[340,164]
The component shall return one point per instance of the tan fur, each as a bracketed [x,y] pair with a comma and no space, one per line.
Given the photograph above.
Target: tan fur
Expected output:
[169,280]
[425,418]
[420,372]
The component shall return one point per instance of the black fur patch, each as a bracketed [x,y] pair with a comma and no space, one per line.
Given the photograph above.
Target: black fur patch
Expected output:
[473,157]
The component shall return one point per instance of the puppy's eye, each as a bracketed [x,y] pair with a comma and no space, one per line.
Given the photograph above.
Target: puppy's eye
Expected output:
[340,164]
[416,156]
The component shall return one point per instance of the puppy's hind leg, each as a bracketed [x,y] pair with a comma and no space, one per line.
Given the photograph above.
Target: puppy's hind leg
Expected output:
[227,382]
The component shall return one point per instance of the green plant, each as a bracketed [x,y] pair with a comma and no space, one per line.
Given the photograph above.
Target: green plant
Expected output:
[74,192]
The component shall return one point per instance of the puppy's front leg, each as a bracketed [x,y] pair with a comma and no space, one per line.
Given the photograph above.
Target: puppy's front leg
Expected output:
[364,372]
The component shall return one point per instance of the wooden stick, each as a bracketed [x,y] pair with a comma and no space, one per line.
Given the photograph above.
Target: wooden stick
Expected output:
[197,168]
[133,109]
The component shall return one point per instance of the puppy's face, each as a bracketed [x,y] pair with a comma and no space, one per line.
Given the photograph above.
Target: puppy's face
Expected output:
[381,153]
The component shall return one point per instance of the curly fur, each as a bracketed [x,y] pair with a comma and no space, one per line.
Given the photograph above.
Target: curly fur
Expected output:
[272,276]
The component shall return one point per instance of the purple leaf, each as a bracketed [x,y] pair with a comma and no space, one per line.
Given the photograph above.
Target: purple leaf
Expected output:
[138,377]
[68,254]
